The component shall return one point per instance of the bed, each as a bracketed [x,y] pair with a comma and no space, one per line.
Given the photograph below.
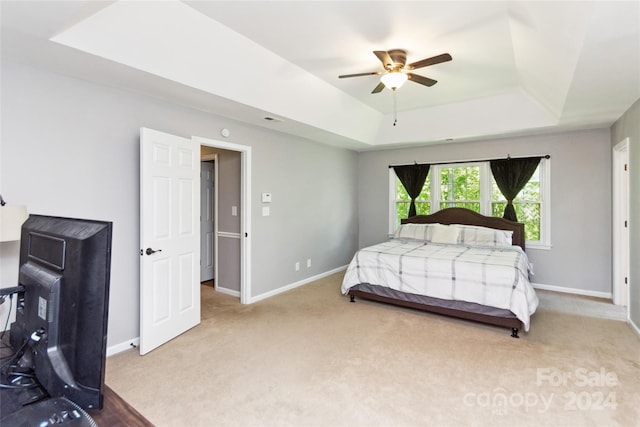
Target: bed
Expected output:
[454,262]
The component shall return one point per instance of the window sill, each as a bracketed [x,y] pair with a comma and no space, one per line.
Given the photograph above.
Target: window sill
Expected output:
[538,245]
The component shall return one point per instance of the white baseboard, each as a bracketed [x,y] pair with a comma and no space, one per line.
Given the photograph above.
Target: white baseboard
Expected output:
[227,291]
[124,346]
[296,284]
[596,294]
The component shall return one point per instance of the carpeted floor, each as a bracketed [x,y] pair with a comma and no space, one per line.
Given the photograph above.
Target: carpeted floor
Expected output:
[310,358]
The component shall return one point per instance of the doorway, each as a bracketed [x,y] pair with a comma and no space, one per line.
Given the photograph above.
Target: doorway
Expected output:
[620,223]
[240,238]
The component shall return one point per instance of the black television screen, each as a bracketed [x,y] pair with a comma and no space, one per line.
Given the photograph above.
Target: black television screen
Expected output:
[61,316]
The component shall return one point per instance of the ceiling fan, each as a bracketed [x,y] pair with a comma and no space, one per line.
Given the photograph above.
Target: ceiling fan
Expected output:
[395,69]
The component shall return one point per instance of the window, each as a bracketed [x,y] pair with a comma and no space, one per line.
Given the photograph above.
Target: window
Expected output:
[401,206]
[459,187]
[471,185]
[527,206]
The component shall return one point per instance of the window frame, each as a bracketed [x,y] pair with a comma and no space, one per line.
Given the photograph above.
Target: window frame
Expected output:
[486,179]
[485,191]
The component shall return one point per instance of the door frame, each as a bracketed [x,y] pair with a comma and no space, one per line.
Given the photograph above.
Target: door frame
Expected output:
[620,215]
[214,158]
[245,211]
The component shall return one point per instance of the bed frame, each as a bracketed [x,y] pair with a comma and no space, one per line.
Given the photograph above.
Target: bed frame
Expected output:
[460,309]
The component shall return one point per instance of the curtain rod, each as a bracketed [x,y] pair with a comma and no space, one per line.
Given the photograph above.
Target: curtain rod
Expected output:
[545,156]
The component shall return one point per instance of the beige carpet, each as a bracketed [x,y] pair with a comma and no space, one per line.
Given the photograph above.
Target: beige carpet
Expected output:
[310,358]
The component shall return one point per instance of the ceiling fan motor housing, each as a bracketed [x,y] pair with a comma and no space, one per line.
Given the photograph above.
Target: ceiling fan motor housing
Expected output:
[398,58]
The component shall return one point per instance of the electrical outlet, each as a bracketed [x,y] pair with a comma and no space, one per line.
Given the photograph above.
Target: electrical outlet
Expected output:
[308,262]
[297,266]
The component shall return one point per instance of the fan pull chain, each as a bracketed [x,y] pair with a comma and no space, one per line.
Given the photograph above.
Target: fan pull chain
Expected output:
[395,109]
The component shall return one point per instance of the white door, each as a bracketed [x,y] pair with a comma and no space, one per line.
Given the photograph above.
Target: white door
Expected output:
[624,237]
[169,237]
[206,221]
[621,224]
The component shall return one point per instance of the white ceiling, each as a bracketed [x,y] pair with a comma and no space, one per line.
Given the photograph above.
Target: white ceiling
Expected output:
[519,67]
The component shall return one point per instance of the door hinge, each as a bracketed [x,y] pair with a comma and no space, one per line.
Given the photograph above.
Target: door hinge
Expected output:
[626,280]
[625,166]
[625,224]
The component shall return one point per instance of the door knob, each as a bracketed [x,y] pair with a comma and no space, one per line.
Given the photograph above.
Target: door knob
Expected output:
[150,251]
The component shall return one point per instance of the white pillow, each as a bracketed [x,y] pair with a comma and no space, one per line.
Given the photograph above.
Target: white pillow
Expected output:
[445,234]
[413,232]
[476,235]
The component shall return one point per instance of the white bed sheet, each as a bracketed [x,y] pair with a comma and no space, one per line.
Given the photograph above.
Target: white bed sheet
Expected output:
[496,277]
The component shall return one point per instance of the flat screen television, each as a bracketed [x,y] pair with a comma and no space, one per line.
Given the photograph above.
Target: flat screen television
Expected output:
[61,316]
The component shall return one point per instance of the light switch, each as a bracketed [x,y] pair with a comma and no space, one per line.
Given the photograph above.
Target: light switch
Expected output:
[266,197]
[265,211]
[234,211]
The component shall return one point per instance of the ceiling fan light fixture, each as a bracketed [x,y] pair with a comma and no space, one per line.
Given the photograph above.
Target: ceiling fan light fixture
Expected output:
[394,79]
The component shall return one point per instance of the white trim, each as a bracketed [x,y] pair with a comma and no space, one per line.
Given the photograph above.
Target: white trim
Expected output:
[485,189]
[216,205]
[229,235]
[545,207]
[245,288]
[537,245]
[227,291]
[123,346]
[245,208]
[434,189]
[620,203]
[296,284]
[216,217]
[393,215]
[214,158]
[574,291]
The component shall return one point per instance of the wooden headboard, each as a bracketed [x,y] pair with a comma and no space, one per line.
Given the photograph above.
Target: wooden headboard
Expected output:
[468,217]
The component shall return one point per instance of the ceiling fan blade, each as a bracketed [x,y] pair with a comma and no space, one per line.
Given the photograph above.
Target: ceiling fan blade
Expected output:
[429,61]
[378,88]
[384,57]
[372,73]
[422,80]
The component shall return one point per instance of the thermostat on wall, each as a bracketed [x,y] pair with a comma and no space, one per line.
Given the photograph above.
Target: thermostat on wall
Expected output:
[266,197]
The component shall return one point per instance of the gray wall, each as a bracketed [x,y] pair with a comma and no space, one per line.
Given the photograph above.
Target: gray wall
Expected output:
[71,148]
[229,173]
[313,210]
[580,199]
[629,126]
[229,251]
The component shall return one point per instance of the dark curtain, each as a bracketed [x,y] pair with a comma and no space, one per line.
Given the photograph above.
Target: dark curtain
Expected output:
[412,178]
[512,175]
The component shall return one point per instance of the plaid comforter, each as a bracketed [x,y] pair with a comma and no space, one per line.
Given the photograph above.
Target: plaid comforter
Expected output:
[496,277]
